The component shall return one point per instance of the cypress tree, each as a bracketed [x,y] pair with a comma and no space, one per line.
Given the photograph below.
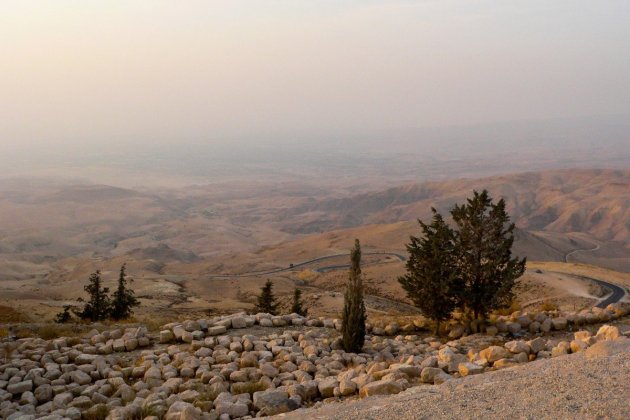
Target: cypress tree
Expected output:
[483,248]
[123,298]
[266,300]
[353,317]
[297,303]
[98,306]
[431,281]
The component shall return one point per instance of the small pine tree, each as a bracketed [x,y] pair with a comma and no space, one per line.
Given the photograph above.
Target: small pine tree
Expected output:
[297,303]
[64,316]
[483,248]
[266,300]
[123,298]
[353,317]
[99,305]
[431,281]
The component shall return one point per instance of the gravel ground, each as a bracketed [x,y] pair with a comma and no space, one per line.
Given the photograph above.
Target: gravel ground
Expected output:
[588,385]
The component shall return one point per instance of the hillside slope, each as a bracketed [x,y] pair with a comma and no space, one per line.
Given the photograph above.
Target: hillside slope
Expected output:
[590,201]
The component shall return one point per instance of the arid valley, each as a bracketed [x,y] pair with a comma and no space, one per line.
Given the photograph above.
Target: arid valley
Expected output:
[203,252]
[197,250]
[236,209]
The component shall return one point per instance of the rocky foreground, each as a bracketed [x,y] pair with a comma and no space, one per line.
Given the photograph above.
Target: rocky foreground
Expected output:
[593,384]
[245,365]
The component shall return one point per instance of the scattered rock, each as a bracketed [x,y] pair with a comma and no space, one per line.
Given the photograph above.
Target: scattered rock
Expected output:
[382,387]
[607,332]
[466,369]
[494,353]
[274,402]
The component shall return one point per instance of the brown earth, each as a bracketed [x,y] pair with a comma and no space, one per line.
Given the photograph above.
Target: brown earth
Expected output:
[53,234]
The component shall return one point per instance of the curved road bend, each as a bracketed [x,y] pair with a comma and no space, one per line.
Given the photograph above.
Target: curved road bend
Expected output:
[305,263]
[617,292]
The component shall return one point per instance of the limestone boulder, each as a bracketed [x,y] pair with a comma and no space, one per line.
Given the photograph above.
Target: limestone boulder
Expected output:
[457,331]
[382,387]
[273,402]
[81,378]
[265,322]
[347,387]
[118,345]
[514,327]
[239,322]
[20,387]
[429,374]
[503,363]
[578,346]
[559,323]
[43,393]
[561,349]
[327,386]
[518,346]
[492,330]
[582,335]
[607,332]
[216,330]
[181,410]
[494,353]
[467,369]
[534,327]
[537,344]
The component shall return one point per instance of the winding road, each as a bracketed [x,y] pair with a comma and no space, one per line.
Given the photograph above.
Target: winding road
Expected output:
[575,251]
[309,262]
[617,292]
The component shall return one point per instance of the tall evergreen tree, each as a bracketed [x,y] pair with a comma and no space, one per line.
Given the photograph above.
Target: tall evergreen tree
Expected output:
[266,300]
[353,317]
[484,239]
[123,298]
[98,306]
[431,281]
[297,307]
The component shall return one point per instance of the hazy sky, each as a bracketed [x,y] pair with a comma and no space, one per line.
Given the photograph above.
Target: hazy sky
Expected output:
[135,72]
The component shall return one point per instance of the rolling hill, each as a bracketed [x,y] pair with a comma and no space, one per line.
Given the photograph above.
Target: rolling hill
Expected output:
[596,202]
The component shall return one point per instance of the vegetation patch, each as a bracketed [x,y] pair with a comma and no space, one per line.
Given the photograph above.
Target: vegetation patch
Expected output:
[10,315]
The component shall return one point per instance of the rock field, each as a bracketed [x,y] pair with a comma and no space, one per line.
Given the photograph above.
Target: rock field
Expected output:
[207,369]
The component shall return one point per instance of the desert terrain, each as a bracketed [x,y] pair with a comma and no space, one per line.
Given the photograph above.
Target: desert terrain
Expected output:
[198,256]
[213,210]
[209,249]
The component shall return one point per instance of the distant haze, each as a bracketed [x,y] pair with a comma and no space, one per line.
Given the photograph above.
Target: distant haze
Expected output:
[175,78]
